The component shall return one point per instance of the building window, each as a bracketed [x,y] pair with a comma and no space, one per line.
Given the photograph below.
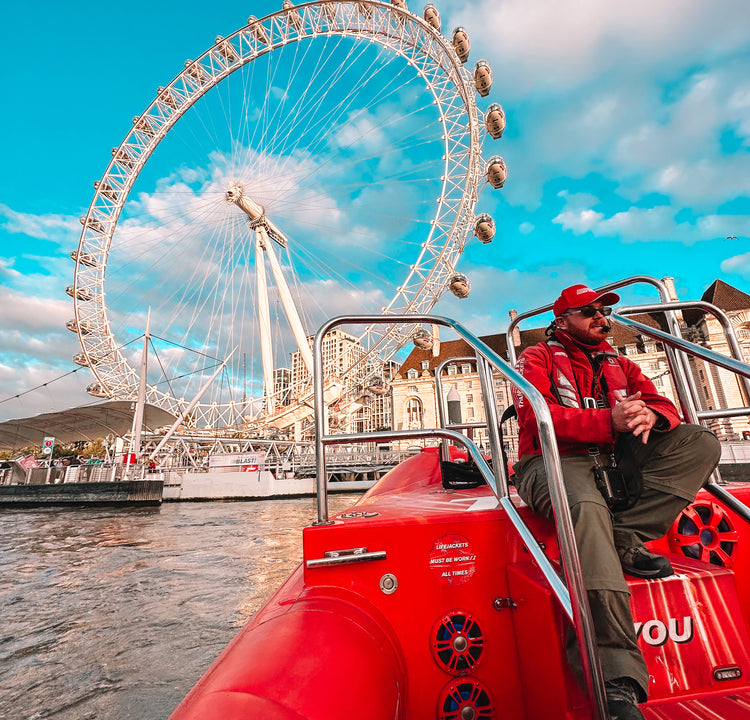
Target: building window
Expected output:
[425,364]
[631,349]
[470,413]
[414,389]
[649,347]
[470,398]
[452,370]
[414,412]
[412,374]
[465,368]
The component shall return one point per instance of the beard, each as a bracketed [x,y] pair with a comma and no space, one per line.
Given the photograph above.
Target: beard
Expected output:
[592,336]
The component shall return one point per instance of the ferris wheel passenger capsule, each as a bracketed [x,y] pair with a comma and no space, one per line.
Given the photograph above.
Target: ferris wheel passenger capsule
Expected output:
[97,390]
[400,4]
[80,294]
[496,172]
[432,16]
[195,72]
[483,77]
[143,125]
[484,228]
[92,224]
[422,339]
[461,43]
[121,156]
[82,327]
[83,258]
[166,96]
[105,190]
[225,49]
[377,385]
[293,14]
[365,10]
[329,9]
[258,31]
[494,120]
[460,285]
[83,361]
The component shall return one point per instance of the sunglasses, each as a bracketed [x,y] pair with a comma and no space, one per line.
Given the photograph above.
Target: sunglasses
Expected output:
[588,311]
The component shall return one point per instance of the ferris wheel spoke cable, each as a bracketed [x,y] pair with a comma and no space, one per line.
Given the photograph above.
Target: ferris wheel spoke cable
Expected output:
[279,112]
[322,92]
[182,251]
[301,102]
[308,106]
[316,145]
[344,106]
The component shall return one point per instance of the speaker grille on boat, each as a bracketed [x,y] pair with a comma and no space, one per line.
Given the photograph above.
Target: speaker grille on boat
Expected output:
[457,642]
[465,699]
[705,531]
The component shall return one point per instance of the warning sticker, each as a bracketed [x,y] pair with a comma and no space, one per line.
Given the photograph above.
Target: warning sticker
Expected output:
[453,560]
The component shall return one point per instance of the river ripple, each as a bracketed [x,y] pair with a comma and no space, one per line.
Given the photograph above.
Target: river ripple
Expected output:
[115,613]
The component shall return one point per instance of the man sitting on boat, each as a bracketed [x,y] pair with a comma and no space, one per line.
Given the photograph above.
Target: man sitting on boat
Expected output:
[609,418]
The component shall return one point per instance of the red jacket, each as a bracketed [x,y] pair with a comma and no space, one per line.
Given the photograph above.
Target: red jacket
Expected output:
[564,374]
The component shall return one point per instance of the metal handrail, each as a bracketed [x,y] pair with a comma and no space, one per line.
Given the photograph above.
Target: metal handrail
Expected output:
[579,607]
[490,413]
[440,400]
[718,313]
[685,346]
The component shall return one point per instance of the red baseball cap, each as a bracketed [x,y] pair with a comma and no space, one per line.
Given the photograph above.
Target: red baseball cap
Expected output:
[579,295]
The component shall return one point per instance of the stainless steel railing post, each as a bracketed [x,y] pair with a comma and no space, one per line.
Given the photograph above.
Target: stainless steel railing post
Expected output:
[440,400]
[493,422]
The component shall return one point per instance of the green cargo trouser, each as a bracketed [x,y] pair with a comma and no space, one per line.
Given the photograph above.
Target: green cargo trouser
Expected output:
[675,465]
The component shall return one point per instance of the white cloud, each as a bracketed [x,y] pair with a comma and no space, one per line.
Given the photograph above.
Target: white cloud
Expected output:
[656,223]
[42,227]
[578,221]
[577,215]
[556,46]
[649,223]
[738,264]
[33,313]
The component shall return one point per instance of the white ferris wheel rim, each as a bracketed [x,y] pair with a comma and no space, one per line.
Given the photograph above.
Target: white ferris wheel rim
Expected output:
[400,31]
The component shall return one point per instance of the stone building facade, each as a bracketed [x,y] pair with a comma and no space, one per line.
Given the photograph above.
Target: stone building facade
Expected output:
[413,387]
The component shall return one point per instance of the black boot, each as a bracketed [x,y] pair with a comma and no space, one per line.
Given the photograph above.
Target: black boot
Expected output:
[622,699]
[640,562]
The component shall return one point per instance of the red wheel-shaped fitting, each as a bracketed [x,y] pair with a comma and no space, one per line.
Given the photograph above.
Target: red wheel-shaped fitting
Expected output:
[704,531]
[457,642]
[465,699]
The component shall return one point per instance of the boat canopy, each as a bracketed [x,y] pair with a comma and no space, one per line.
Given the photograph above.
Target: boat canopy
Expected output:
[82,423]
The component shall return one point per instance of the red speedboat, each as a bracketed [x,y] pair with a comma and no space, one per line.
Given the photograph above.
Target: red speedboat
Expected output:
[435,596]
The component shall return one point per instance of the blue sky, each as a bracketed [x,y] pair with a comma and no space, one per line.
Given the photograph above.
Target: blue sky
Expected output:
[628,148]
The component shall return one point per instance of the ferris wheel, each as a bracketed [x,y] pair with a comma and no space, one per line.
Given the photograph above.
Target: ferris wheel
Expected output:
[323,159]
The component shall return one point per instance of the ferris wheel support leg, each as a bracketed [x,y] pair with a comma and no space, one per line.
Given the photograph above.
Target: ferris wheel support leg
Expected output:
[290,310]
[264,315]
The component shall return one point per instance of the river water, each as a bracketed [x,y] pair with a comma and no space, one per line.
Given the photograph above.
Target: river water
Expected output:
[115,613]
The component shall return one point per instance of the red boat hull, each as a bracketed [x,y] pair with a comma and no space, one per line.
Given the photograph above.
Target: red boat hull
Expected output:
[456,616]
